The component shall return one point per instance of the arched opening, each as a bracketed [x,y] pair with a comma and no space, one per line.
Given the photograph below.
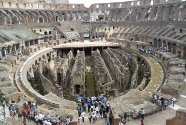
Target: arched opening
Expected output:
[77,89]
[41,20]
[45,33]
[57,18]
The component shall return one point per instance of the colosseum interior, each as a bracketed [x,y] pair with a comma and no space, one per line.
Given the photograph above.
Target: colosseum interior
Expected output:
[53,52]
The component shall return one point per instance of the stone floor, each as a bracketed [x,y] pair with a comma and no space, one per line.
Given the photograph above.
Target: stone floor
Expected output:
[156,119]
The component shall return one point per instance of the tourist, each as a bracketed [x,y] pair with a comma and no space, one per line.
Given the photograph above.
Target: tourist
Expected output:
[142,113]
[79,111]
[94,117]
[125,118]
[162,103]
[165,104]
[90,117]
[110,117]
[173,101]
[100,113]
[83,116]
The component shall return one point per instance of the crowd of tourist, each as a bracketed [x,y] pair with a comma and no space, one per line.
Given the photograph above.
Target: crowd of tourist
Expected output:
[152,51]
[96,108]
[160,101]
[27,112]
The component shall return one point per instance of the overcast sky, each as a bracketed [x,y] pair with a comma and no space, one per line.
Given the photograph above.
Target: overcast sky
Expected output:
[87,3]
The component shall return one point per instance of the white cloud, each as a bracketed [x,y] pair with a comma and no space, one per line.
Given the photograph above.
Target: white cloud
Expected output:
[87,3]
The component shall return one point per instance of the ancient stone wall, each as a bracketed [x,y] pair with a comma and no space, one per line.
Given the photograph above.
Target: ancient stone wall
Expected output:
[179,119]
[120,73]
[130,62]
[64,68]
[78,74]
[102,75]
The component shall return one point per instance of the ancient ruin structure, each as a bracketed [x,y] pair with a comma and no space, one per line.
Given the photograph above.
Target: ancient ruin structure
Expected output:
[53,51]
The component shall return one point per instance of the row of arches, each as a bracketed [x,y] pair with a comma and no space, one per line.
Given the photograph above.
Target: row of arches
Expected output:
[10,17]
[171,12]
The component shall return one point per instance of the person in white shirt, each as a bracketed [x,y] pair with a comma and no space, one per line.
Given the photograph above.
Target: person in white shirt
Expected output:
[94,116]
[83,116]
[173,101]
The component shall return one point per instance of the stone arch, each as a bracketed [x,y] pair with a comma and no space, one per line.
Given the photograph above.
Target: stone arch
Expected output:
[175,13]
[164,12]
[69,16]
[45,33]
[2,20]
[64,17]
[52,16]
[34,16]
[147,15]
[170,12]
[58,16]
[15,19]
[40,19]
[20,16]
[77,89]
[74,16]
[164,43]
[169,46]
[155,42]
[159,43]
[7,18]
[45,17]
[27,16]
[155,13]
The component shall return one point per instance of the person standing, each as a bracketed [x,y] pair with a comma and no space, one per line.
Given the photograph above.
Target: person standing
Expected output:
[165,104]
[94,117]
[90,117]
[83,116]
[142,112]
[125,118]
[173,101]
